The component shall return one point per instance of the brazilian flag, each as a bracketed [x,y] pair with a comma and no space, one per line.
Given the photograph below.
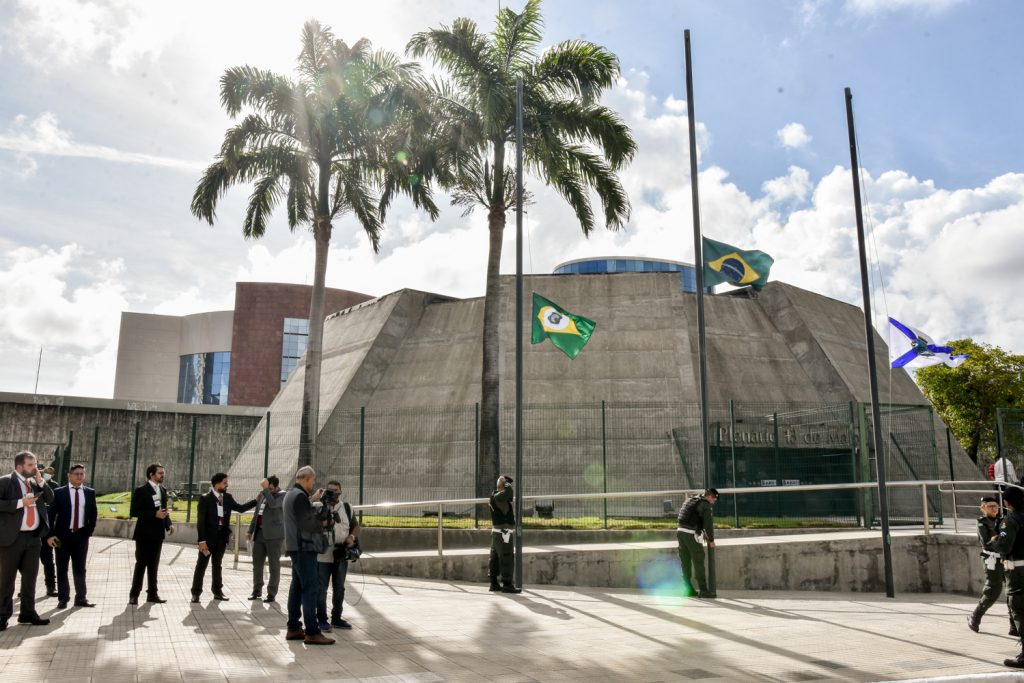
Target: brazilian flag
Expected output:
[568,332]
[726,263]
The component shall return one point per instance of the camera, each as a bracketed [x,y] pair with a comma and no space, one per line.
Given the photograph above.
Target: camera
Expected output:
[352,553]
[329,497]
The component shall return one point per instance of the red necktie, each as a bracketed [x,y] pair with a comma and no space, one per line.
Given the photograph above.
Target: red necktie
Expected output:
[74,511]
[30,510]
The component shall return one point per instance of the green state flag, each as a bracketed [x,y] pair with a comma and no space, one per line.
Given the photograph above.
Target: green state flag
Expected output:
[566,331]
[726,263]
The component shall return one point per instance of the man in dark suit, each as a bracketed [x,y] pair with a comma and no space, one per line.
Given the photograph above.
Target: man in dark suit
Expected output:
[72,521]
[267,535]
[45,549]
[213,527]
[149,506]
[23,521]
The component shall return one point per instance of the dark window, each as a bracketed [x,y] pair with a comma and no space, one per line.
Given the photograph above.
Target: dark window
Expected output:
[293,345]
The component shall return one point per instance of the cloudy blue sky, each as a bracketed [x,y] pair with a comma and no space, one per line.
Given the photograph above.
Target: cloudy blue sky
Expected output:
[110,109]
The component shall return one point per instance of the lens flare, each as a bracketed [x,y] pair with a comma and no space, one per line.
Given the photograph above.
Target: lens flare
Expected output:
[661,578]
[593,475]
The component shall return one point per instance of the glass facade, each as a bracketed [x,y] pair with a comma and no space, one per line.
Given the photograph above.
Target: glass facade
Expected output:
[293,345]
[687,275]
[203,378]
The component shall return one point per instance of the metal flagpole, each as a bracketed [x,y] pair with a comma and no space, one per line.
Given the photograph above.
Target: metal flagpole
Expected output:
[698,258]
[869,334]
[518,578]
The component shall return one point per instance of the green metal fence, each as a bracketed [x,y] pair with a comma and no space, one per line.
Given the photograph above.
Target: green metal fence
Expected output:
[398,455]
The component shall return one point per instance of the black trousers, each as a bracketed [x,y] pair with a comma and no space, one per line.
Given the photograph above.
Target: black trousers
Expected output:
[216,546]
[73,549]
[147,561]
[22,557]
[46,558]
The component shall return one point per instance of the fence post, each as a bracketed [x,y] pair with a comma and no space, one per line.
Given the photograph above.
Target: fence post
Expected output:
[135,459]
[604,463]
[924,501]
[865,463]
[732,453]
[999,433]
[935,455]
[92,466]
[858,496]
[949,453]
[778,473]
[476,462]
[191,471]
[266,449]
[362,454]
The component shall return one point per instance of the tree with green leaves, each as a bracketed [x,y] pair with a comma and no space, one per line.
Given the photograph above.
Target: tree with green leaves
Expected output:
[571,142]
[966,397]
[338,139]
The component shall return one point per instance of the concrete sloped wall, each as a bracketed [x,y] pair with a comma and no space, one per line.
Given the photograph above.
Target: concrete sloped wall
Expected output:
[412,359]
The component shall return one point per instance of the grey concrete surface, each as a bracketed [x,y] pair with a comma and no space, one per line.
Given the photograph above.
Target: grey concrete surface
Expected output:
[418,631]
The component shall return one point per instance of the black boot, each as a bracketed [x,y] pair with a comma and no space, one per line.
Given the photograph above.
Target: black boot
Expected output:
[510,588]
[494,586]
[974,622]
[1016,663]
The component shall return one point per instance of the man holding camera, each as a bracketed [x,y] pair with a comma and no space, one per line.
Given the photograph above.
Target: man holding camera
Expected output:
[303,540]
[342,532]
[213,527]
[503,530]
[266,531]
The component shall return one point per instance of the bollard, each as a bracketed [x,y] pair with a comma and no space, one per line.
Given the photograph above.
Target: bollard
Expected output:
[924,501]
[440,530]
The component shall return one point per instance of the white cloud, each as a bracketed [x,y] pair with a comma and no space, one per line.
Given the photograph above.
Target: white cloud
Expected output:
[793,135]
[68,302]
[44,136]
[874,7]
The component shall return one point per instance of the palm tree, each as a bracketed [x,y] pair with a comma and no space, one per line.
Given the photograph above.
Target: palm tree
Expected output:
[571,142]
[336,140]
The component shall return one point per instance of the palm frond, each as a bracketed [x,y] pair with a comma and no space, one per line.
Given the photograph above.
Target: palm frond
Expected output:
[575,121]
[353,193]
[265,91]
[265,195]
[216,179]
[317,46]
[575,69]
[516,35]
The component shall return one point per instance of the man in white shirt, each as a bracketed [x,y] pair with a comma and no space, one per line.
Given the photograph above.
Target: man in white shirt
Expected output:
[1004,471]
[23,521]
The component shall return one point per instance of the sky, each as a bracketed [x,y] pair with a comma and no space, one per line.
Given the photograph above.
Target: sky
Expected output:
[110,111]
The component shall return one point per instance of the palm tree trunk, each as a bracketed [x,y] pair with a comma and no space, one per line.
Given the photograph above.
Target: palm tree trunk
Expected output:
[490,406]
[490,382]
[314,350]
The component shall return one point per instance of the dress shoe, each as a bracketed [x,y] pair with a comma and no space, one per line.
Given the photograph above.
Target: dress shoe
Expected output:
[195,598]
[220,596]
[973,622]
[324,627]
[255,596]
[63,604]
[133,599]
[341,623]
[1016,663]
[156,598]
[509,588]
[51,592]
[84,603]
[3,624]
[494,587]
[269,598]
[33,620]
[321,639]
[295,635]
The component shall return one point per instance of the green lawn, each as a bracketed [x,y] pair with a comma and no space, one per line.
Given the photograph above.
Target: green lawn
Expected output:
[116,506]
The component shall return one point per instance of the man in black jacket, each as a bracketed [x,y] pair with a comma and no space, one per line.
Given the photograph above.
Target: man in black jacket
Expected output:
[72,522]
[303,539]
[23,521]
[503,528]
[213,526]
[696,521]
[149,506]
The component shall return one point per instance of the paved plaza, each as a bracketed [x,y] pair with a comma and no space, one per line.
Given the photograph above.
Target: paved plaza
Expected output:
[417,631]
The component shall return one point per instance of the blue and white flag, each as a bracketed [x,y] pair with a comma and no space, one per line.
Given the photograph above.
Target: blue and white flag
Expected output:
[911,349]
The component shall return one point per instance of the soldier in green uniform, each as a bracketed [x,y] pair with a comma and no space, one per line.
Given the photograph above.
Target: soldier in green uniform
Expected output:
[1010,544]
[503,529]
[988,524]
[696,520]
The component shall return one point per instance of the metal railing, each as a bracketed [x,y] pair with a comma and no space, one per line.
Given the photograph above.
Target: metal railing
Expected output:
[993,487]
[440,504]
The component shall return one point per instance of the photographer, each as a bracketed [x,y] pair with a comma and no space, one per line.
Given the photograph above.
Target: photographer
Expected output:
[503,528]
[342,531]
[303,540]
